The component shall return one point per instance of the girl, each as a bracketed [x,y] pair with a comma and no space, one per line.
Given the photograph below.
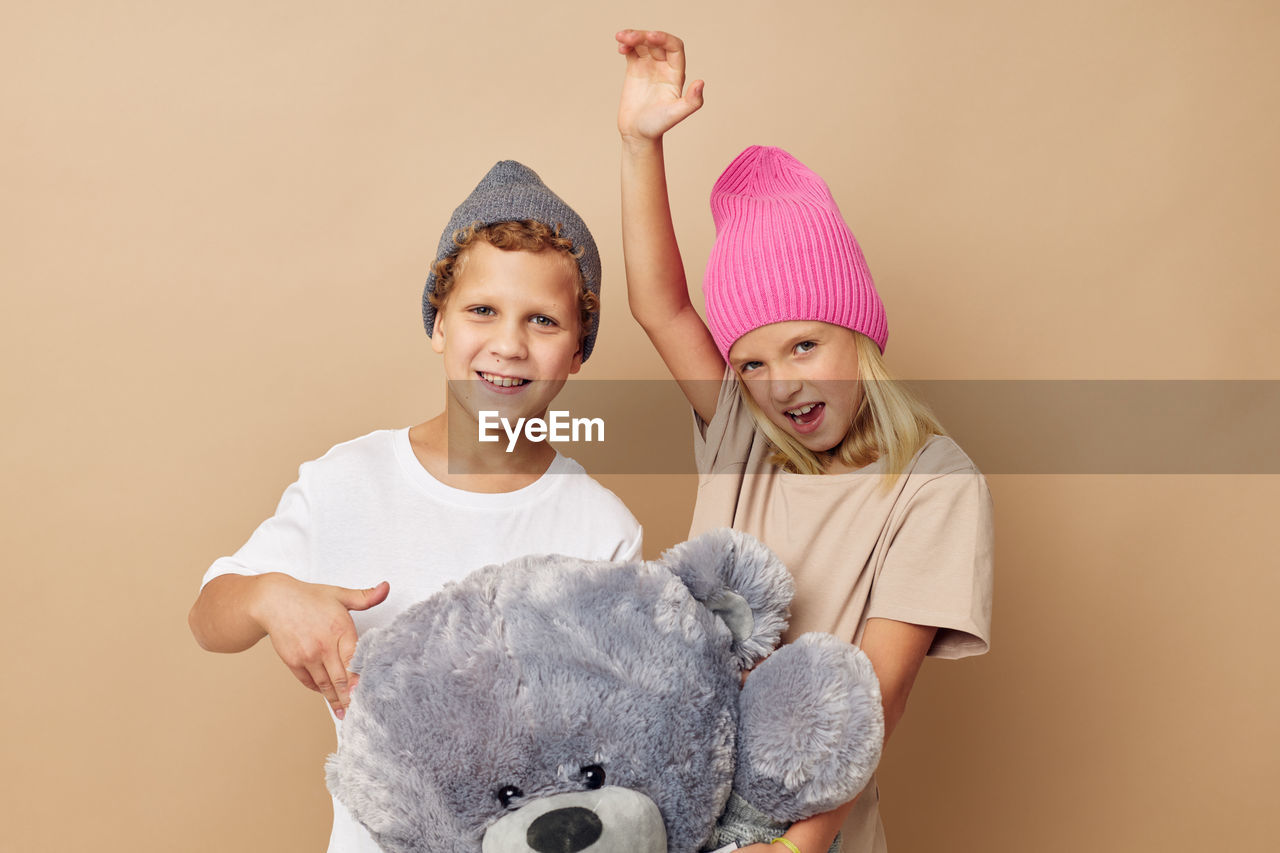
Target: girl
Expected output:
[803,440]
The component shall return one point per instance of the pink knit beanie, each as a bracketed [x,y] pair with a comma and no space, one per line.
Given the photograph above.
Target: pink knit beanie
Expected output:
[783,252]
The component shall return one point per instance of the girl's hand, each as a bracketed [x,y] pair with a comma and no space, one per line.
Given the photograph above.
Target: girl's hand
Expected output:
[653,95]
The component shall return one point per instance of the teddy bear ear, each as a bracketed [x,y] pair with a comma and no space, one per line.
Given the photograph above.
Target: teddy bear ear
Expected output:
[742,582]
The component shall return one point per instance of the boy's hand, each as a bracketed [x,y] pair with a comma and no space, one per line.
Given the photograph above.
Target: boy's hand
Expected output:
[311,630]
[653,96]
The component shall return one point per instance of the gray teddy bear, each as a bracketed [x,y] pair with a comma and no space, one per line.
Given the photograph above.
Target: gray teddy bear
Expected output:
[557,704]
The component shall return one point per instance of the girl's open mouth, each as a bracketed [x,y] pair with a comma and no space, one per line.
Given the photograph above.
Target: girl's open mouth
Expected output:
[807,417]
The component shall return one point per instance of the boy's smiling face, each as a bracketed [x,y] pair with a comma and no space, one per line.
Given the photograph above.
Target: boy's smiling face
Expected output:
[510,330]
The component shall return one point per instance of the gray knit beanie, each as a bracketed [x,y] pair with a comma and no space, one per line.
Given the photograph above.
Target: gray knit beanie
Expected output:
[512,192]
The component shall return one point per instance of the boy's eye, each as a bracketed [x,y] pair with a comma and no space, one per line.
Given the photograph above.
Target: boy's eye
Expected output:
[543,320]
[482,310]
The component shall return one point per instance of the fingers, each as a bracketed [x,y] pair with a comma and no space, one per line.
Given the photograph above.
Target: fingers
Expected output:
[304,677]
[652,44]
[687,105]
[325,671]
[344,679]
[311,629]
[339,692]
[627,39]
[346,651]
[332,673]
[693,97]
[363,599]
[667,48]
[323,678]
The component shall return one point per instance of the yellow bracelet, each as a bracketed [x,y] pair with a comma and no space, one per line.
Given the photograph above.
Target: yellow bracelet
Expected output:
[786,842]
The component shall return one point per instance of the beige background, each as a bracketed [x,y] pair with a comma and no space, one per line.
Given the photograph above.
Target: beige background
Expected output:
[216,219]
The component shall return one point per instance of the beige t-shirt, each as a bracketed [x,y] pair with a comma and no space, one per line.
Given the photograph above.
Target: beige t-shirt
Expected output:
[918,552]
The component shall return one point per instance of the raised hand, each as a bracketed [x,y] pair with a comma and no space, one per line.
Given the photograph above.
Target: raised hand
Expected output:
[654,99]
[311,630]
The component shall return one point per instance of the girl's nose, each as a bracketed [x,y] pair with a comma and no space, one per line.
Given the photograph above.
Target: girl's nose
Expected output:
[784,388]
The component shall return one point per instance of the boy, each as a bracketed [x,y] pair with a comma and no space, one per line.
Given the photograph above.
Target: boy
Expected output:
[512,306]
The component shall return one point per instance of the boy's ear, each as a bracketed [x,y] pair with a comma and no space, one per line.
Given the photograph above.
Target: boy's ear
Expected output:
[576,364]
[437,334]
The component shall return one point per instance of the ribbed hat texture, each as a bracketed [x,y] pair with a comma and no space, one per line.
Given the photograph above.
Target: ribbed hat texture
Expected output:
[512,192]
[783,252]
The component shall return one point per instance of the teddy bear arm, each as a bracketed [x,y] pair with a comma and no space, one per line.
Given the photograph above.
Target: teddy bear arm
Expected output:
[811,729]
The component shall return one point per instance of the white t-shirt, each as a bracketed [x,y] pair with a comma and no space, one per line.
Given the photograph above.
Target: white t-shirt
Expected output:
[367,511]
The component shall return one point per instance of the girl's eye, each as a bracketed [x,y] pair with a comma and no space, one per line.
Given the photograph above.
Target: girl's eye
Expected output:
[748,366]
[806,346]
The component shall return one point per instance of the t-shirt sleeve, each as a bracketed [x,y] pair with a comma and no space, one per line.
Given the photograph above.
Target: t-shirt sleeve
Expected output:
[594,523]
[631,549]
[725,441]
[280,544]
[938,568]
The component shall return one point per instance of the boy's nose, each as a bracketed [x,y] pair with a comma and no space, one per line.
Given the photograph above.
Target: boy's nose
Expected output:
[508,341]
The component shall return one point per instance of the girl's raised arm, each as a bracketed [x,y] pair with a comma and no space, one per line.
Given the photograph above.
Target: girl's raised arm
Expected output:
[654,101]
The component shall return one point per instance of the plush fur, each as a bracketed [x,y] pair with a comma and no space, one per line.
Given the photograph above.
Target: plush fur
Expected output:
[558,704]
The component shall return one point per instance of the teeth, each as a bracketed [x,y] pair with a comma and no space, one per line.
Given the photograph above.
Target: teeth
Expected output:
[502,381]
[803,410]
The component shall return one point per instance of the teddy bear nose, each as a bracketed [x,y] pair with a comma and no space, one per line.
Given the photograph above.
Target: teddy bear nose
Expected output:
[565,830]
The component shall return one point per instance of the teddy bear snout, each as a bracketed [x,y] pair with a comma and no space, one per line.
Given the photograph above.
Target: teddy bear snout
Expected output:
[565,830]
[609,820]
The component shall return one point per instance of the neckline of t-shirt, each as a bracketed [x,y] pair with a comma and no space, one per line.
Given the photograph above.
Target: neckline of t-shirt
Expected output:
[422,479]
[875,469]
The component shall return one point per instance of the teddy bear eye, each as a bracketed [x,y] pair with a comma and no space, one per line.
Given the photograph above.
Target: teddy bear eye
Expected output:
[593,775]
[507,793]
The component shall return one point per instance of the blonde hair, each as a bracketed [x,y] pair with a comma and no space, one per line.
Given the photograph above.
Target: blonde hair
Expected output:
[527,235]
[891,424]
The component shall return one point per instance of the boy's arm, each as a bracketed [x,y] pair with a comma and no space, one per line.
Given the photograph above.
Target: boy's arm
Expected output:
[653,101]
[309,625]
